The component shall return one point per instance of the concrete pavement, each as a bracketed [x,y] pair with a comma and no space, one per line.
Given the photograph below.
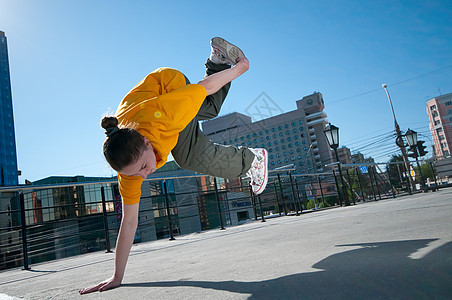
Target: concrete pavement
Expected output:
[396,248]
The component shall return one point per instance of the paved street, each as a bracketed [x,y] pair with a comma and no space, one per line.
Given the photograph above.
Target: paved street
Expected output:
[396,248]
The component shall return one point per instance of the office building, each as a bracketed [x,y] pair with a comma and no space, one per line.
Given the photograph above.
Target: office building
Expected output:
[295,137]
[8,157]
[344,154]
[439,111]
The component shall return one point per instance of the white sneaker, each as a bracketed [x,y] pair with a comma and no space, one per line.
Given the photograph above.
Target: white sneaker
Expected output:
[224,52]
[259,170]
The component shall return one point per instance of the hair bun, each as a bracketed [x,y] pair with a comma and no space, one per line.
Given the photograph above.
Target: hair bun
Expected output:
[110,124]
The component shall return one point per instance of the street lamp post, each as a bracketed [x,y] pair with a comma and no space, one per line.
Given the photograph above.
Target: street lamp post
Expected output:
[332,136]
[411,137]
[399,139]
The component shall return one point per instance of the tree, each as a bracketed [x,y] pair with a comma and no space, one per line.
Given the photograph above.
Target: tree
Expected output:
[396,171]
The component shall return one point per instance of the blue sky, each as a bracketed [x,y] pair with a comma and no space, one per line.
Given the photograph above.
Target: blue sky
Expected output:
[73,61]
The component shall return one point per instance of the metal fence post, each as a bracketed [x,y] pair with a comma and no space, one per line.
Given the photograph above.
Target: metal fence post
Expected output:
[376,182]
[339,191]
[321,190]
[253,201]
[218,203]
[170,225]
[372,183]
[390,184]
[24,231]
[293,194]
[104,216]
[434,177]
[351,186]
[282,194]
[277,198]
[260,205]
[360,185]
[298,193]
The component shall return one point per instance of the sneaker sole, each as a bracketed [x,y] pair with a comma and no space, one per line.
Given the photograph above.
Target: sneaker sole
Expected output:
[232,52]
[262,187]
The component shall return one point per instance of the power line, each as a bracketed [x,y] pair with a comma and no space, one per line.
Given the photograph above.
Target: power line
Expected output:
[394,84]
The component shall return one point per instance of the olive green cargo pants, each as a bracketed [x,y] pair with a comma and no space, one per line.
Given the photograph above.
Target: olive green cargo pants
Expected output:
[194,151]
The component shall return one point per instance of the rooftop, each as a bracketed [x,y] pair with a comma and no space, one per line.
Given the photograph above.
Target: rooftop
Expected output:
[398,248]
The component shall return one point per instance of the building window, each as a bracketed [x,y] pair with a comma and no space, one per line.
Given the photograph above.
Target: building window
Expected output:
[279,162]
[275,142]
[278,155]
[267,137]
[432,107]
[274,136]
[449,111]
[281,134]
[286,126]
[269,144]
[301,128]
[271,156]
[448,103]
[437,122]
[300,122]
[279,128]
[289,139]
[272,163]
[282,140]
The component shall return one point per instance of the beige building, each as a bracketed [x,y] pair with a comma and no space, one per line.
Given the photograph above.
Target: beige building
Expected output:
[439,111]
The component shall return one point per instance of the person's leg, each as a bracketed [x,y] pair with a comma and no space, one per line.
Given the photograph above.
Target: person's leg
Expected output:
[195,152]
[212,104]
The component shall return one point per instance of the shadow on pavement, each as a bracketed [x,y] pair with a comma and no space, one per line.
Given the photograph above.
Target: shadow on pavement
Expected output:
[377,270]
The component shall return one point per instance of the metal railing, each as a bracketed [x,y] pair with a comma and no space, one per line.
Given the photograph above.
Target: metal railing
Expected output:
[47,222]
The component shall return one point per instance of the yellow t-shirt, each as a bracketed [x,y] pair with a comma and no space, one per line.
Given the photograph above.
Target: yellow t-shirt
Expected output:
[159,107]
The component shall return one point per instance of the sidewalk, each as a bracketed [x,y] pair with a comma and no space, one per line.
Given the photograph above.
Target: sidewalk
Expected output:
[396,248]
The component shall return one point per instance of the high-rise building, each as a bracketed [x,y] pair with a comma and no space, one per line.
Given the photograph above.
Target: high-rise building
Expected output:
[439,111]
[295,137]
[8,157]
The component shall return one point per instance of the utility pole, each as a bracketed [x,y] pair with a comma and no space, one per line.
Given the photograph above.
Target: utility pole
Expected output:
[399,139]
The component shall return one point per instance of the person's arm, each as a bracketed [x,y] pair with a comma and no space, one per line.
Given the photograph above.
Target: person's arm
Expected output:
[216,81]
[124,243]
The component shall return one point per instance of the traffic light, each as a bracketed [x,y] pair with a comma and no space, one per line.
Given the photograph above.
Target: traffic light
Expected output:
[421,148]
[412,152]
